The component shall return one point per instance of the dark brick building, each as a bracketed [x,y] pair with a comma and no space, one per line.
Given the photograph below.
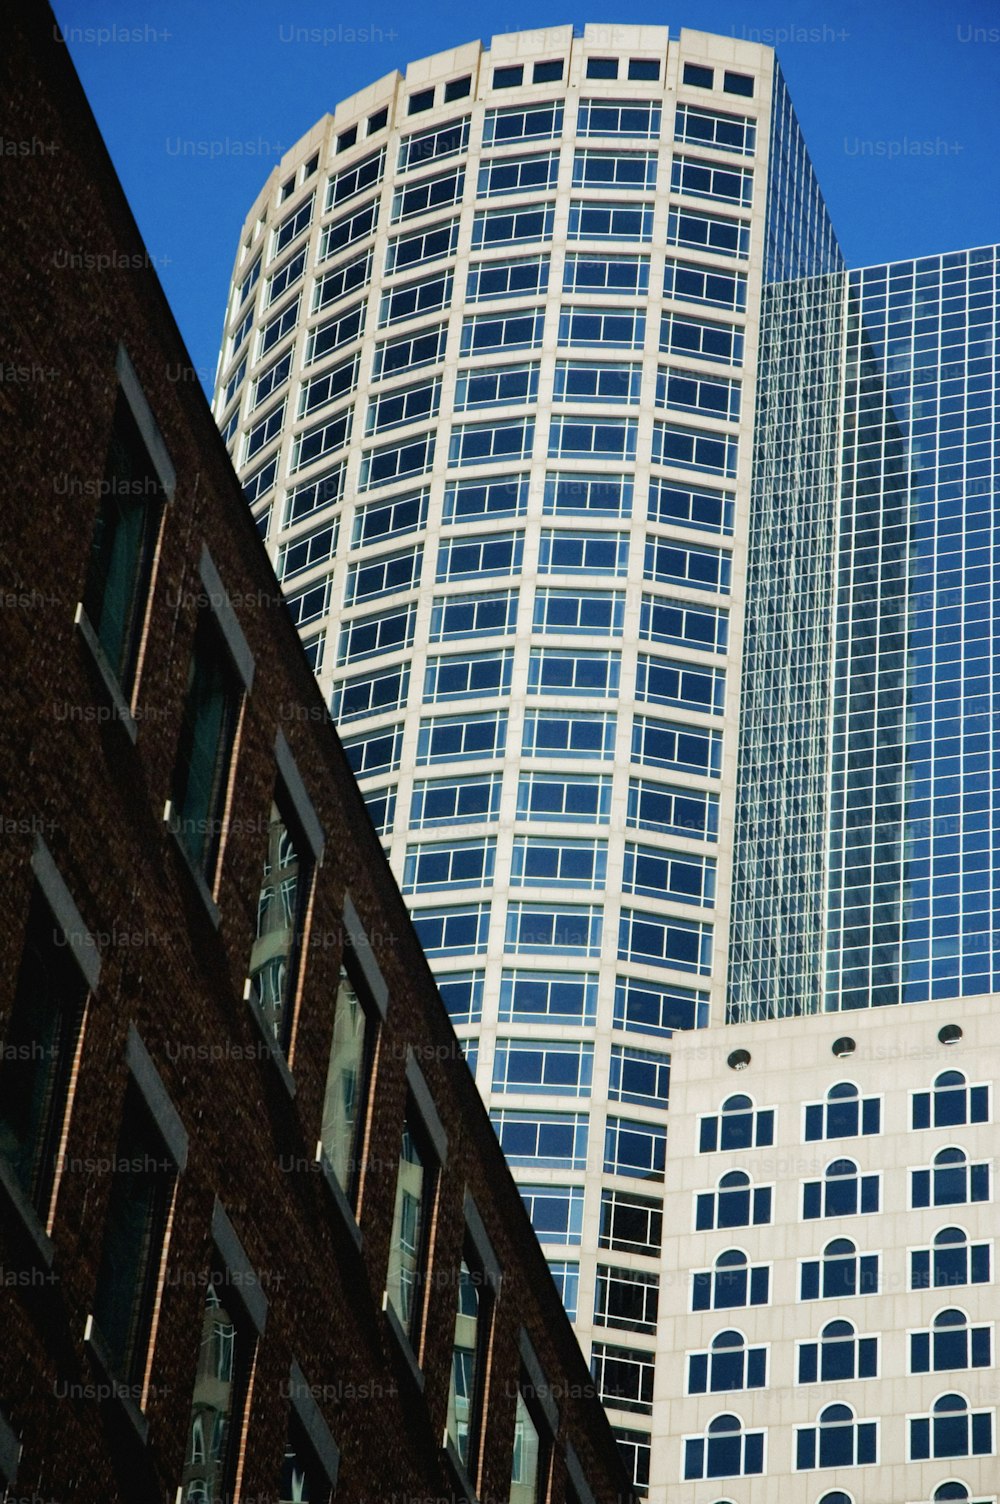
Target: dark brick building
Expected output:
[257,1239]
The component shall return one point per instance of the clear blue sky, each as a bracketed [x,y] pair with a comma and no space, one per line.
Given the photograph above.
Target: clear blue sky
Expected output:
[899,101]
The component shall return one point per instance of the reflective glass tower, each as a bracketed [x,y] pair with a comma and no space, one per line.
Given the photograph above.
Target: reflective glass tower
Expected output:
[489,376]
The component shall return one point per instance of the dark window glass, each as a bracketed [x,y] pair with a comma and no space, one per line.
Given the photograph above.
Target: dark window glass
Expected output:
[220,1389]
[280,913]
[378,121]
[303,1480]
[643,69]
[37,1055]
[602,67]
[141,1187]
[508,78]
[457,88]
[121,550]
[469,1351]
[420,102]
[407,1249]
[207,732]
[347,1082]
[701,78]
[547,73]
[738,83]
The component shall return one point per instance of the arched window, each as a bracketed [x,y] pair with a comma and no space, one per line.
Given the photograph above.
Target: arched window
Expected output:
[951,1180]
[951,1430]
[951,1260]
[843,1192]
[951,1102]
[837,1439]
[843,1113]
[839,1354]
[840,1271]
[837,1496]
[733,1283]
[952,1493]
[725,1451]
[738,1125]
[734,1203]
[728,1364]
[950,1343]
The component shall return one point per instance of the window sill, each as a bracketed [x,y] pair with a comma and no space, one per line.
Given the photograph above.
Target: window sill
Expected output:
[403,1341]
[273,1048]
[211,907]
[113,1389]
[25,1215]
[337,1195]
[120,709]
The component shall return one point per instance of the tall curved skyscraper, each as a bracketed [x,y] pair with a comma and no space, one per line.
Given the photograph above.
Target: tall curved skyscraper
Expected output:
[489,376]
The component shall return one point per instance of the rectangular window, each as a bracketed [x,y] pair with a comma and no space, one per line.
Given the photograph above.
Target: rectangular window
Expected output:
[409,352]
[698,179]
[486,554]
[460,738]
[536,173]
[586,439]
[490,443]
[573,494]
[614,117]
[367,635]
[257,485]
[437,192]
[623,329]
[43,1029]
[381,806]
[644,1008]
[498,496]
[453,932]
[555,1140]
[403,404]
[388,519]
[409,1243]
[522,123]
[285,277]
[571,930]
[483,332]
[468,676]
[324,338]
[510,77]
[478,1280]
[604,221]
[685,626]
[348,1081]
[624,1377]
[684,812]
[614,169]
[701,284]
[552,671]
[120,565]
[543,1068]
[323,490]
[323,438]
[467,864]
[547,72]
[738,83]
[687,392]
[547,997]
[670,563]
[293,226]
[708,232]
[571,552]
[391,462]
[635,1448]
[446,140]
[282,904]
[594,381]
[699,77]
[664,745]
[681,335]
[641,1077]
[662,682]
[526,277]
[128,1276]
[712,128]
[311,602]
[528,222]
[554,863]
[556,1212]
[670,502]
[652,940]
[344,232]
[633,1148]
[579,612]
[550,733]
[204,755]
[411,299]
[631,1223]
[371,694]
[653,873]
[623,275]
[626,1298]
[462,994]
[431,244]
[271,380]
[375,753]
[488,615]
[556,796]
[497,386]
[344,279]
[263,431]
[365,173]
[455,801]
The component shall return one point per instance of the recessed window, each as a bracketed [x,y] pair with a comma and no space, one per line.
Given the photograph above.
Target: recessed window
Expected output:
[378,121]
[738,1060]
[116,595]
[303,1476]
[311,167]
[347,1085]
[842,1047]
[470,1351]
[347,138]
[950,1034]
[547,73]
[526,1471]
[644,69]
[424,100]
[738,83]
[287,189]
[457,88]
[416,1180]
[225,1360]
[602,67]
[700,77]
[508,78]
[281,910]
[208,732]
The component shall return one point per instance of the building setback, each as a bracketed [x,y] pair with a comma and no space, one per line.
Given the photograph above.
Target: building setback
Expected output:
[257,1238]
